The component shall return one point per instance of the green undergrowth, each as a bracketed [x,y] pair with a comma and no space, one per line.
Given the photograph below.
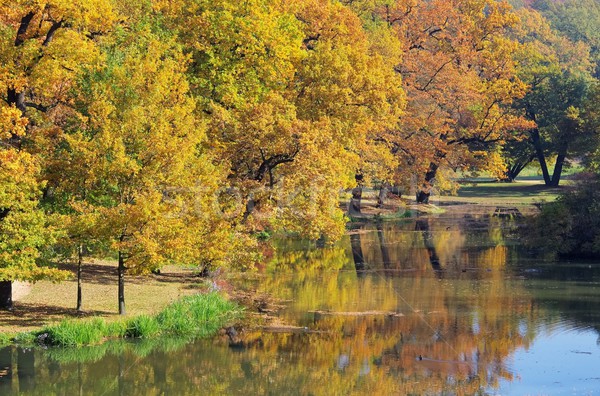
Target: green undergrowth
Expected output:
[196,316]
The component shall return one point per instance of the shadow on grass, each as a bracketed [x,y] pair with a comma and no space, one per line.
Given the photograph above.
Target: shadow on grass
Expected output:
[35,315]
[100,274]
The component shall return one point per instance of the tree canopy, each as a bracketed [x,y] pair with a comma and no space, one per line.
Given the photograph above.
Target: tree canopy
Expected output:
[177,131]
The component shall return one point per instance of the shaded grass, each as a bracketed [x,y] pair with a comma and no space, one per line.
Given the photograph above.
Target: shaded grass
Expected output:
[200,315]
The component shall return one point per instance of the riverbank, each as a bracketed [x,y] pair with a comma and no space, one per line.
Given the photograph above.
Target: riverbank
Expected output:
[474,196]
[39,304]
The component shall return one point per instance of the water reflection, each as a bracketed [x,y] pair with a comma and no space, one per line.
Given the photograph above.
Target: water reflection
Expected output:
[427,306]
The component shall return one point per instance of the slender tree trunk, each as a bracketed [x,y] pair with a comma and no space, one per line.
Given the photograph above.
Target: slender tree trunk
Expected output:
[6,295]
[425,192]
[539,152]
[79,262]
[121,274]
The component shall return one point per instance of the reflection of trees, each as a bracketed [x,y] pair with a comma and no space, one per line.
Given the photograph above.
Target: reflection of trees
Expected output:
[422,225]
[463,328]
[357,254]
[364,334]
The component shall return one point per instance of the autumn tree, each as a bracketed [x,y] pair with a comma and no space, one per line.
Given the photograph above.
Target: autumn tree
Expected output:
[558,73]
[459,76]
[131,155]
[576,19]
[23,225]
[291,91]
[40,45]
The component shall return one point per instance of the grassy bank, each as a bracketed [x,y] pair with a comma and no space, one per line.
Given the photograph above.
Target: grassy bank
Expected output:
[200,315]
[473,195]
[43,303]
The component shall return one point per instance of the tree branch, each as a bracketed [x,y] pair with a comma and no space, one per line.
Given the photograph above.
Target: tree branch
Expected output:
[23,26]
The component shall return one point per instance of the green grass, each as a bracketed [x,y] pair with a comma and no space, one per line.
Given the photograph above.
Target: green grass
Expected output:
[5,339]
[492,193]
[77,332]
[143,326]
[200,315]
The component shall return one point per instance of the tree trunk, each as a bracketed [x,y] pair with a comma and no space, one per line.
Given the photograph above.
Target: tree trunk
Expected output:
[425,192]
[383,191]
[354,207]
[121,274]
[558,167]
[539,152]
[79,262]
[515,169]
[6,295]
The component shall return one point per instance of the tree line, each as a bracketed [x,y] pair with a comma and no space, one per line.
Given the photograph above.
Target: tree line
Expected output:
[173,131]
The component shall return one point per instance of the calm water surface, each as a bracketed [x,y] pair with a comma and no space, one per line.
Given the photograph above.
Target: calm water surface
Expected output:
[445,305]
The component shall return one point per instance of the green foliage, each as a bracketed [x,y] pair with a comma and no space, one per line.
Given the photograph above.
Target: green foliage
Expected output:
[6,339]
[570,226]
[25,338]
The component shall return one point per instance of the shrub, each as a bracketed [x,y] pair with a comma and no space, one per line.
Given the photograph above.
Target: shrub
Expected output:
[571,225]
[5,339]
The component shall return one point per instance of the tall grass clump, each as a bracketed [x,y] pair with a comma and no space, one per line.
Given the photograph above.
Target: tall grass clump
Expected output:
[142,326]
[73,332]
[200,315]
[5,339]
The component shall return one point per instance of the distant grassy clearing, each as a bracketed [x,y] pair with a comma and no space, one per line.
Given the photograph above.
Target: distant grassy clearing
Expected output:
[475,195]
[522,192]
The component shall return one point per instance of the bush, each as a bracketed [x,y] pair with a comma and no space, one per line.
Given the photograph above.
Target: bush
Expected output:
[5,339]
[26,338]
[570,226]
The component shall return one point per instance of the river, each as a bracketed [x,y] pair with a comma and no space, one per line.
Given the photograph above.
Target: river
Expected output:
[447,304]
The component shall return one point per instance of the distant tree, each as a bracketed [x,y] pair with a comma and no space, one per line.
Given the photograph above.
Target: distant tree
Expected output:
[460,80]
[558,73]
